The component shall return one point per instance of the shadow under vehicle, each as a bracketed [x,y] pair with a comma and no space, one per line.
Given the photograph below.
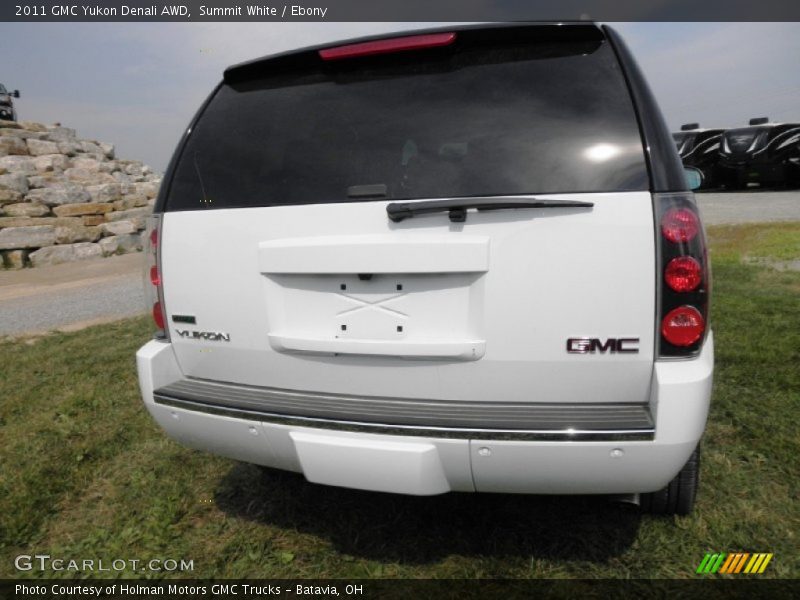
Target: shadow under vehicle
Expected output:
[699,148]
[764,154]
[7,112]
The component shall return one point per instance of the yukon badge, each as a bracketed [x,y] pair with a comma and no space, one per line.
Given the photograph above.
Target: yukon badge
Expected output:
[586,345]
[211,336]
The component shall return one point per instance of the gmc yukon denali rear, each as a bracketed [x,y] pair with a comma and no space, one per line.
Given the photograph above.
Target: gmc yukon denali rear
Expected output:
[451,260]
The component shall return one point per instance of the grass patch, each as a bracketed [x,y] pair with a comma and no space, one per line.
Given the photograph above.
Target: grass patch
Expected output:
[85,473]
[776,242]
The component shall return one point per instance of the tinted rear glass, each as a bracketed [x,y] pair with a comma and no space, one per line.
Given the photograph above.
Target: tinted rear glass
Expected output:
[539,117]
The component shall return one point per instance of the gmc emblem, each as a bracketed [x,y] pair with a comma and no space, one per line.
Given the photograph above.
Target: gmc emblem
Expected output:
[585,345]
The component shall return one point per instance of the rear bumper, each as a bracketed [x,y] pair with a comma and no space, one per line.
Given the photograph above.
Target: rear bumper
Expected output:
[399,447]
[402,416]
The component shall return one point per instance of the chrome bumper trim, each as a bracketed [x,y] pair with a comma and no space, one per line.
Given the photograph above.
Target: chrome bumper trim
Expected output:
[462,420]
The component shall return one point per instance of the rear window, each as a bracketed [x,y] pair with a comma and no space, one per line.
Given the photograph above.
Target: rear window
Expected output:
[524,113]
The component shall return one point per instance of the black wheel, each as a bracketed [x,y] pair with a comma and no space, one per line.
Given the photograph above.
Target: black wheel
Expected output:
[678,497]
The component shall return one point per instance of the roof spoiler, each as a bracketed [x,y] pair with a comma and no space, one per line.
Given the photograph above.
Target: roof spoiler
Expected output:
[690,126]
[315,56]
[759,120]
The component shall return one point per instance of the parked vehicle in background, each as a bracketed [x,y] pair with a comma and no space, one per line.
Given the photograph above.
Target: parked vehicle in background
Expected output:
[699,148]
[422,263]
[7,111]
[764,154]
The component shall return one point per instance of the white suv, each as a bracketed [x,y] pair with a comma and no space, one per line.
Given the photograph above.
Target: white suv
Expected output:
[461,260]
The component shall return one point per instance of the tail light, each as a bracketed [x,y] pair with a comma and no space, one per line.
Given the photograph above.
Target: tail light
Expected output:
[684,279]
[683,326]
[158,316]
[680,224]
[154,293]
[683,274]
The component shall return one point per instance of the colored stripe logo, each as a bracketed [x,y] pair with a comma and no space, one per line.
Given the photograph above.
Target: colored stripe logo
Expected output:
[734,563]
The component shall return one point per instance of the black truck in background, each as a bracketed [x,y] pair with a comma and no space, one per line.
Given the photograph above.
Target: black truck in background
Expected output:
[699,148]
[763,154]
[767,154]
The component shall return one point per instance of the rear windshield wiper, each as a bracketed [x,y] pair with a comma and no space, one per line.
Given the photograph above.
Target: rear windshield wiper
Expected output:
[457,207]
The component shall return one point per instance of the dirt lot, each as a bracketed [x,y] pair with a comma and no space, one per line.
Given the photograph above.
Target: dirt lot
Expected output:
[749,207]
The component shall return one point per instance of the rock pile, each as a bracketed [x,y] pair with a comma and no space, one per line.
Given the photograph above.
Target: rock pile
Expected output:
[64,199]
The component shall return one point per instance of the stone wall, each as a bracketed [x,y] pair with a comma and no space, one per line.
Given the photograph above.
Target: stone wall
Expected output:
[63,198]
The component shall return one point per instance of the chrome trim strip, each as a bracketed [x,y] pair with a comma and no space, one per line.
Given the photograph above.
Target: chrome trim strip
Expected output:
[413,412]
[569,435]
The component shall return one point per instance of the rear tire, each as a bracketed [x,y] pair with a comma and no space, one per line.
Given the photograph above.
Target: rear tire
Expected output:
[679,495]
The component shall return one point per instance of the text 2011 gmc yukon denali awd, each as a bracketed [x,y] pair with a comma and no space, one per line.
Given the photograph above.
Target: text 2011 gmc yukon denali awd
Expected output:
[458,260]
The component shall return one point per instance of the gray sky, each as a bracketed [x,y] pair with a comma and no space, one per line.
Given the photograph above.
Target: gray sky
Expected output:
[137,85]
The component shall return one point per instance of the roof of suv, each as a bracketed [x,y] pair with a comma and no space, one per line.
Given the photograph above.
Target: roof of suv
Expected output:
[242,69]
[663,165]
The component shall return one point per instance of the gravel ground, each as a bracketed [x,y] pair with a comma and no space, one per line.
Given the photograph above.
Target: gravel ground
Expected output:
[70,296]
[75,295]
[749,207]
